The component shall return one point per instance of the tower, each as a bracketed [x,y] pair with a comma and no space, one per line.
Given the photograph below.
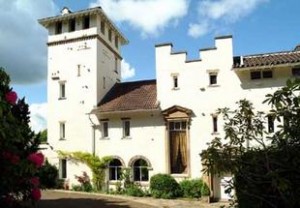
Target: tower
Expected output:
[83,64]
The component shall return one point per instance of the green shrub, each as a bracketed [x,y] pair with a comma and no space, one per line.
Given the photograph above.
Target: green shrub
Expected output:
[191,188]
[205,190]
[48,175]
[134,190]
[164,186]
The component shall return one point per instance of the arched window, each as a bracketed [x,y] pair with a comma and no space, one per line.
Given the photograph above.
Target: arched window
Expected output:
[140,170]
[115,167]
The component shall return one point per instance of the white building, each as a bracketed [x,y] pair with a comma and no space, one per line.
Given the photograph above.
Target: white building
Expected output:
[161,124]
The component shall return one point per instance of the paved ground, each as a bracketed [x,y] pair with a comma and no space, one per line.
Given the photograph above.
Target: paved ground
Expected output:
[63,199]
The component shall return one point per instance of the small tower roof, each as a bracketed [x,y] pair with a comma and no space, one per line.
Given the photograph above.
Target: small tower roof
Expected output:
[66,14]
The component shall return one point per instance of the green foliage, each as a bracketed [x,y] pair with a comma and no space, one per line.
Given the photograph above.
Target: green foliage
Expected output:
[266,174]
[43,136]
[95,163]
[18,147]
[191,188]
[134,190]
[205,190]
[48,175]
[164,186]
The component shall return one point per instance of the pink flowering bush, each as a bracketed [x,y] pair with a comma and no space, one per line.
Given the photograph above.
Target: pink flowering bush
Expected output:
[20,160]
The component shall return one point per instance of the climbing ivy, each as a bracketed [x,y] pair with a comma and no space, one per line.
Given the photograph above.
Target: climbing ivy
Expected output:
[96,164]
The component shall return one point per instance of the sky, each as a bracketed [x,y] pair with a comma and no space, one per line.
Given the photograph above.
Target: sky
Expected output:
[257,26]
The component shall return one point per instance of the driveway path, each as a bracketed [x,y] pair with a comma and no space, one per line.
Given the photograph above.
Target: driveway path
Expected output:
[68,199]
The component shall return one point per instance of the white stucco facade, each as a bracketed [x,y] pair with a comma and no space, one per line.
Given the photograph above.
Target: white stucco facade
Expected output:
[87,63]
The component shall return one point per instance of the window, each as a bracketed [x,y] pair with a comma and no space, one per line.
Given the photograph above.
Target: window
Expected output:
[261,74]
[215,124]
[62,168]
[116,41]
[115,169]
[62,90]
[62,130]
[255,75]
[78,70]
[178,146]
[110,35]
[58,28]
[71,25]
[102,27]
[271,123]
[104,83]
[267,74]
[105,129]
[175,82]
[126,128]
[296,72]
[212,79]
[116,64]
[86,22]
[140,170]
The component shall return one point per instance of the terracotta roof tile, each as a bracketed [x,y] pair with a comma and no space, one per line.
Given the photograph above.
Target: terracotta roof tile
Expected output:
[139,95]
[267,59]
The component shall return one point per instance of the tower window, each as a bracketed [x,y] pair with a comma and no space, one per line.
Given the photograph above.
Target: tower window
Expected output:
[62,130]
[116,64]
[62,90]
[110,35]
[116,41]
[212,79]
[296,72]
[71,25]
[267,74]
[102,26]
[175,82]
[215,124]
[255,75]
[58,28]
[86,22]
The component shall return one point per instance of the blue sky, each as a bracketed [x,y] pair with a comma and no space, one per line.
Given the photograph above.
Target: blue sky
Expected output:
[257,26]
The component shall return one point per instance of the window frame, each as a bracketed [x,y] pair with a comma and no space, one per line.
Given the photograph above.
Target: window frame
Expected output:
[140,168]
[271,123]
[86,24]
[105,129]
[110,34]
[215,123]
[126,128]
[72,25]
[116,41]
[62,90]
[213,78]
[62,130]
[102,27]
[58,28]
[63,168]
[115,170]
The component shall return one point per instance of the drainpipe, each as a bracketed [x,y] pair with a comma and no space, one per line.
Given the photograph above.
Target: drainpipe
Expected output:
[93,139]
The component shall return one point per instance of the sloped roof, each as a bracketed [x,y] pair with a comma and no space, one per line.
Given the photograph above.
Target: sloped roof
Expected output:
[138,95]
[267,59]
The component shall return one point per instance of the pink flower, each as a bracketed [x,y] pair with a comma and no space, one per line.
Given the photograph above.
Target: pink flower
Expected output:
[35,181]
[11,97]
[37,159]
[36,194]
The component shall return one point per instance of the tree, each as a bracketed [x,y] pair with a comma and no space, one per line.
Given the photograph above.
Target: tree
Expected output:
[96,164]
[19,159]
[265,166]
[43,136]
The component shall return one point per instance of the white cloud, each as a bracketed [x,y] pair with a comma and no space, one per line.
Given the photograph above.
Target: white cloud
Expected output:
[38,114]
[212,12]
[22,40]
[197,30]
[149,16]
[126,70]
